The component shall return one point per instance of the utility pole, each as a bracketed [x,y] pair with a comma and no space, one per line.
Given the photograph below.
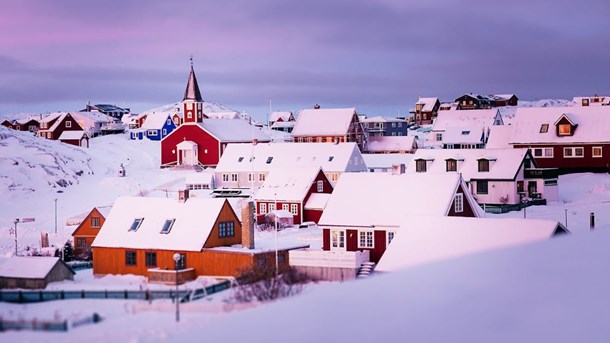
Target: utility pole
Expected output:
[16,221]
[55,215]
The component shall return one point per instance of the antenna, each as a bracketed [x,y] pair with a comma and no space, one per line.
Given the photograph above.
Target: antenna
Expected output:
[191,58]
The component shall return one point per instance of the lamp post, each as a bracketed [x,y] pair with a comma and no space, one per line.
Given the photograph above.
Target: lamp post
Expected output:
[55,215]
[277,268]
[524,201]
[16,221]
[176,260]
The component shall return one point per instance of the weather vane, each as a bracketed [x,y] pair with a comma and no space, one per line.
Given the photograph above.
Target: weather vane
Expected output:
[191,61]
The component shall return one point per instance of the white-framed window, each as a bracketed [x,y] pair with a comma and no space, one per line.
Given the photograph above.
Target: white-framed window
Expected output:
[151,133]
[334,177]
[189,115]
[575,152]
[458,203]
[420,166]
[285,207]
[597,151]
[320,186]
[169,121]
[565,129]
[271,207]
[164,132]
[250,177]
[234,177]
[68,123]
[337,239]
[439,137]
[294,209]
[261,177]
[389,237]
[393,124]
[366,239]
[543,152]
[263,208]
[225,177]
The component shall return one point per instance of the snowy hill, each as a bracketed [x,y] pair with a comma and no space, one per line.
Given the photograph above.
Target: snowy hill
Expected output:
[208,108]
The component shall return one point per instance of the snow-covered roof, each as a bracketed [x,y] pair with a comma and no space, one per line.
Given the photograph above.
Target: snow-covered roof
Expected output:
[323,122]
[593,125]
[390,143]
[285,116]
[192,91]
[317,201]
[462,135]
[27,267]
[287,184]
[505,165]
[428,103]
[223,115]
[499,137]
[423,240]
[504,96]
[379,161]
[381,119]
[341,157]
[233,130]
[194,220]
[94,116]
[156,120]
[593,100]
[205,178]
[466,118]
[282,124]
[186,145]
[383,199]
[51,117]
[71,135]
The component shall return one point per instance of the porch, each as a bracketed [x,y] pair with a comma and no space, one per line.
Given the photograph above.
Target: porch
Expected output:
[328,265]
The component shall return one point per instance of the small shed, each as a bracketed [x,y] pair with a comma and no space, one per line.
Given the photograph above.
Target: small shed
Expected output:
[284,218]
[32,272]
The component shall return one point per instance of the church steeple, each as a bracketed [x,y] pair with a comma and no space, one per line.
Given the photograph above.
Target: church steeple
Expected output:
[192,87]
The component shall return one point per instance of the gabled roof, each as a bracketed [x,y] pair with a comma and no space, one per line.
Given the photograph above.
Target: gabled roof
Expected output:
[72,135]
[192,88]
[593,124]
[323,122]
[377,161]
[506,165]
[383,199]
[504,96]
[463,135]
[499,137]
[194,220]
[93,116]
[471,118]
[570,118]
[382,119]
[233,130]
[285,116]
[287,184]
[422,240]
[428,103]
[390,143]
[199,178]
[28,267]
[51,117]
[331,157]
[317,201]
[156,121]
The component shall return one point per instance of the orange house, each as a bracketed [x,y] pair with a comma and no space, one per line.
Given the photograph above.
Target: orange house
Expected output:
[87,230]
[141,236]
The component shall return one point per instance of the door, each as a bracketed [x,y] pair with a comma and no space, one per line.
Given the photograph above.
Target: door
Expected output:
[532,189]
[337,240]
[84,143]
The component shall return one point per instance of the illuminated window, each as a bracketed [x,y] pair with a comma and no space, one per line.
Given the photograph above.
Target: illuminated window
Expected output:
[565,129]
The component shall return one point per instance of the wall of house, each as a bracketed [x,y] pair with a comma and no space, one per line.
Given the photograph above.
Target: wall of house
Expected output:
[573,164]
[85,230]
[208,147]
[226,214]
[351,242]
[9,282]
[59,272]
[297,218]
[496,190]
[312,216]
[62,127]
[468,211]
[242,179]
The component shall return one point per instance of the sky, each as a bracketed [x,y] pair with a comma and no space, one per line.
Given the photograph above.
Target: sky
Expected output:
[377,56]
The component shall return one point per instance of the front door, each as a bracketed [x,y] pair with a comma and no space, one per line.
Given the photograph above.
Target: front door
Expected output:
[532,189]
[337,240]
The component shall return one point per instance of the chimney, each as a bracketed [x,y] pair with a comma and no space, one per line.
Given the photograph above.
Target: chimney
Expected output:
[247,224]
[254,141]
[398,169]
[183,195]
[316,107]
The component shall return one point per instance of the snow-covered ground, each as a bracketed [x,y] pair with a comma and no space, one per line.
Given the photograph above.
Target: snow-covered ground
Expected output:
[519,294]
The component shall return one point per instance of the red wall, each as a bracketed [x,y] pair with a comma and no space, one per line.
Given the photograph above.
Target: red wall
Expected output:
[351,242]
[194,133]
[468,210]
[585,163]
[312,216]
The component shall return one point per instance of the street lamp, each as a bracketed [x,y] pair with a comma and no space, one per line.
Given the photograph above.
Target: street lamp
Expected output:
[176,260]
[524,201]
[275,217]
[55,215]
[15,222]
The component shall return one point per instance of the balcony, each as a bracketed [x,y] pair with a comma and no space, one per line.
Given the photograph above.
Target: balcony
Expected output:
[328,259]
[541,173]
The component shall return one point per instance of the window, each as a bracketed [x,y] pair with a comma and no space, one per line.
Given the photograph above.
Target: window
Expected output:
[151,259]
[393,124]
[167,226]
[240,159]
[263,208]
[573,152]
[330,158]
[130,258]
[520,188]
[390,236]
[585,102]
[596,151]
[544,128]
[465,133]
[226,229]
[225,177]
[151,133]
[234,177]
[136,224]
[269,159]
[81,243]
[399,124]
[551,182]
[285,207]
[320,186]
[169,121]
[182,262]
[294,209]
[164,132]
[439,137]
[420,166]
[334,177]
[482,187]
[543,152]
[68,123]
[95,222]
[565,129]
[337,239]
[483,165]
[365,239]
[261,177]
[271,207]
[189,114]
[250,177]
[451,165]
[458,203]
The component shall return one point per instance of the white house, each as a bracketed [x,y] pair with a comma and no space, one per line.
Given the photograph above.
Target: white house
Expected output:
[466,129]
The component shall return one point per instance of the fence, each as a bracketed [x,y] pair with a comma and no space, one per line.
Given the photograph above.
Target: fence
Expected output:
[184,295]
[499,209]
[44,325]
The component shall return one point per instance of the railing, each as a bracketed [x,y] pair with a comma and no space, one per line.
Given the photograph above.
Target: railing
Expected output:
[541,173]
[499,209]
[322,258]
[39,296]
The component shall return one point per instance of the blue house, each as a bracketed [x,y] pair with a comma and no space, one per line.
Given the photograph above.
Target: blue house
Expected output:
[385,126]
[158,125]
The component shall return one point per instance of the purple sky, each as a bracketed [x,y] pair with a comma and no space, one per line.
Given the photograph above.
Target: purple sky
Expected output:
[377,56]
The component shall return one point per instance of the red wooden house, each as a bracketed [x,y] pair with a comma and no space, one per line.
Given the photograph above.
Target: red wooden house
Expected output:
[301,191]
[141,235]
[426,110]
[63,127]
[329,125]
[573,139]
[193,144]
[87,230]
[27,124]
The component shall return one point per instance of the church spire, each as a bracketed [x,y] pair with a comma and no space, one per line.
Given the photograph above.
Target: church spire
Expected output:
[192,87]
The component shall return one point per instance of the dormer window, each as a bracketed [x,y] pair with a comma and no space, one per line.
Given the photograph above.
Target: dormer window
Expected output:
[330,158]
[565,129]
[240,159]
[544,128]
[465,133]
[136,224]
[451,165]
[167,226]
[269,160]
[420,166]
[483,165]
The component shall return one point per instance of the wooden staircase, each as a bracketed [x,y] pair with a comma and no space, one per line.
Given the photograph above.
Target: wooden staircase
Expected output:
[366,269]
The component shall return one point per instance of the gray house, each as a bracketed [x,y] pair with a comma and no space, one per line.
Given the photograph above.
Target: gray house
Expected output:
[32,272]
